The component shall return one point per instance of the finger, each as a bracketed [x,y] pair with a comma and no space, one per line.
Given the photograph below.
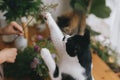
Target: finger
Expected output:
[12,61]
[18,33]
[14,52]
[13,58]
[14,49]
[16,26]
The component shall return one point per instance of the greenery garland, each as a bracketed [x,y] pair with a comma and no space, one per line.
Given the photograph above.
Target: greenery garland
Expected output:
[15,9]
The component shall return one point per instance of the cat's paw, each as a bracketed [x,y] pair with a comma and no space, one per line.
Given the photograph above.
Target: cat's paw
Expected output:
[46,15]
[45,53]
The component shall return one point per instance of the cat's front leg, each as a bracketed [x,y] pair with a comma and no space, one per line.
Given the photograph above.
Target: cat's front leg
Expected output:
[53,68]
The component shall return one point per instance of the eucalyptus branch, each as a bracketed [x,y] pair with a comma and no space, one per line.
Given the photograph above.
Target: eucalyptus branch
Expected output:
[48,7]
[43,8]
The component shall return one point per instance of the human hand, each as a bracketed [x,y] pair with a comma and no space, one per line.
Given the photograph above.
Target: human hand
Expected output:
[13,28]
[8,55]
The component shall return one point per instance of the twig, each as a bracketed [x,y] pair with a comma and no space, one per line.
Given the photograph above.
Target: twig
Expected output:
[89,6]
[43,9]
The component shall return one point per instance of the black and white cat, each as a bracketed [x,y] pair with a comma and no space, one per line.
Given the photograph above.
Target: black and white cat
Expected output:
[73,52]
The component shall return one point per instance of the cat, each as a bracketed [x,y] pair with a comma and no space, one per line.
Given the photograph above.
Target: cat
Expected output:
[73,52]
[74,23]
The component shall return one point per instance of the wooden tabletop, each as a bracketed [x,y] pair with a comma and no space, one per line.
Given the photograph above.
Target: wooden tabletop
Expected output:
[100,70]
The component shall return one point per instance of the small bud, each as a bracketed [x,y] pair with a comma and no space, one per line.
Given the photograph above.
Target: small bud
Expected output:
[37,48]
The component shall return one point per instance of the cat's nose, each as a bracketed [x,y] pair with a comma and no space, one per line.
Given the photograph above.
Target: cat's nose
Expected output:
[67,30]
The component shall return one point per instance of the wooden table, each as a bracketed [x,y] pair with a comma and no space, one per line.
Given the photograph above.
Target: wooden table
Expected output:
[100,70]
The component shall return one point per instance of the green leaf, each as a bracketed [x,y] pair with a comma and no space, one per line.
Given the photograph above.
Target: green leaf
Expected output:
[79,4]
[79,7]
[92,32]
[98,2]
[101,11]
[97,8]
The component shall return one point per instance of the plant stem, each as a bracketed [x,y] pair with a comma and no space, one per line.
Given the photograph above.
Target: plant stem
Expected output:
[89,7]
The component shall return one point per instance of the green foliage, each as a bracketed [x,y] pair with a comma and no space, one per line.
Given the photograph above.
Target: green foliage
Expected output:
[46,43]
[100,9]
[100,50]
[19,8]
[96,7]
[79,4]
[25,61]
[92,32]
[22,66]
[80,7]
[105,52]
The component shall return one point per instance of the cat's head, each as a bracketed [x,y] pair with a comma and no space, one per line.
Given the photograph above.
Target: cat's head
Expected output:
[70,21]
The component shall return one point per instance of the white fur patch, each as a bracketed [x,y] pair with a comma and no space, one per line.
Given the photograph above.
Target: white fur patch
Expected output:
[47,57]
